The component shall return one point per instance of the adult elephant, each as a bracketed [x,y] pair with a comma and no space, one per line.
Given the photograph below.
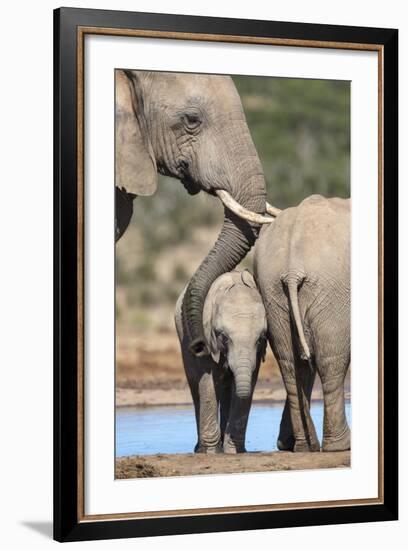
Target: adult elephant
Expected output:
[302,268]
[191,127]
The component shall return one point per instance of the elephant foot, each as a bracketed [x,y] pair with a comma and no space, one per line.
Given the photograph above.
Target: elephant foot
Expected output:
[303,446]
[337,443]
[231,446]
[285,443]
[231,449]
[200,448]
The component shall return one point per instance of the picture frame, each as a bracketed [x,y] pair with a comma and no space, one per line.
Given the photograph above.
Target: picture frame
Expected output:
[71,27]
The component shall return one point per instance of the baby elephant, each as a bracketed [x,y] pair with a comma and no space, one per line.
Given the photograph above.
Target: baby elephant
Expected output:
[222,384]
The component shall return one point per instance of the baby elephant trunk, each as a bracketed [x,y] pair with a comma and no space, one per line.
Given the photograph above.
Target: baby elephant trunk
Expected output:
[243,380]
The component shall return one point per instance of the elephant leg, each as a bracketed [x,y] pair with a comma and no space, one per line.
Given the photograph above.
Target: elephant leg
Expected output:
[225,403]
[297,431]
[234,438]
[199,372]
[298,380]
[209,433]
[286,439]
[336,433]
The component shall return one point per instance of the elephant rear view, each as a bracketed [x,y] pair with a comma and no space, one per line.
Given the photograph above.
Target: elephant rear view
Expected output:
[302,267]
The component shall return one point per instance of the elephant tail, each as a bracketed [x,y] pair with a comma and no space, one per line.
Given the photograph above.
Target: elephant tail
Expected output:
[293,284]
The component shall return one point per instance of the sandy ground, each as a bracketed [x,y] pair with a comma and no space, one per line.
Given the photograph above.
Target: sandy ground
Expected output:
[149,371]
[167,465]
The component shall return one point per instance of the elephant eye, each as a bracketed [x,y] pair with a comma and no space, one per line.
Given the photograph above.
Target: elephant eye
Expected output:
[192,121]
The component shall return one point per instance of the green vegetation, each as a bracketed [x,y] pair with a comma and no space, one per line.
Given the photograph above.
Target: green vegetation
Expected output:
[301,129]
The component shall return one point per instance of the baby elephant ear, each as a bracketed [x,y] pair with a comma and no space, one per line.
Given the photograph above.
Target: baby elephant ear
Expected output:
[135,166]
[215,352]
[209,333]
[247,279]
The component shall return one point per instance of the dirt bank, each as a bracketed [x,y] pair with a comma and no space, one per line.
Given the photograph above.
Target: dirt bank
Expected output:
[167,465]
[179,394]
[149,371]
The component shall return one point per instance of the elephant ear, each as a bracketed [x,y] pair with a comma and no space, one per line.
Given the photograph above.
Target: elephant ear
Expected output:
[214,350]
[135,165]
[248,279]
[208,313]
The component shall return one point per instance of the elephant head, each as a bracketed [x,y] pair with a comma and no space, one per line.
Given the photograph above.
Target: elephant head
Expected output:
[192,127]
[235,327]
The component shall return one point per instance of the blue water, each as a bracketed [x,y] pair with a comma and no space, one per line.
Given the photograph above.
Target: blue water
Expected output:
[172,429]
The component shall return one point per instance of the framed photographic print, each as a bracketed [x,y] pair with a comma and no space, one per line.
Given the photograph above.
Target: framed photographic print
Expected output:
[225,274]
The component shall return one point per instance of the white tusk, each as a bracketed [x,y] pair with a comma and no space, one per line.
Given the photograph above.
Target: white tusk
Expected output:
[272,210]
[239,210]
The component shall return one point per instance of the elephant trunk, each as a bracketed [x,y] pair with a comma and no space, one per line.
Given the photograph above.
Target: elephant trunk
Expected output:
[243,380]
[236,238]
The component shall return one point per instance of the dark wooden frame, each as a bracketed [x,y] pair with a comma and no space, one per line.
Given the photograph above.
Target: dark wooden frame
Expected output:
[70,27]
